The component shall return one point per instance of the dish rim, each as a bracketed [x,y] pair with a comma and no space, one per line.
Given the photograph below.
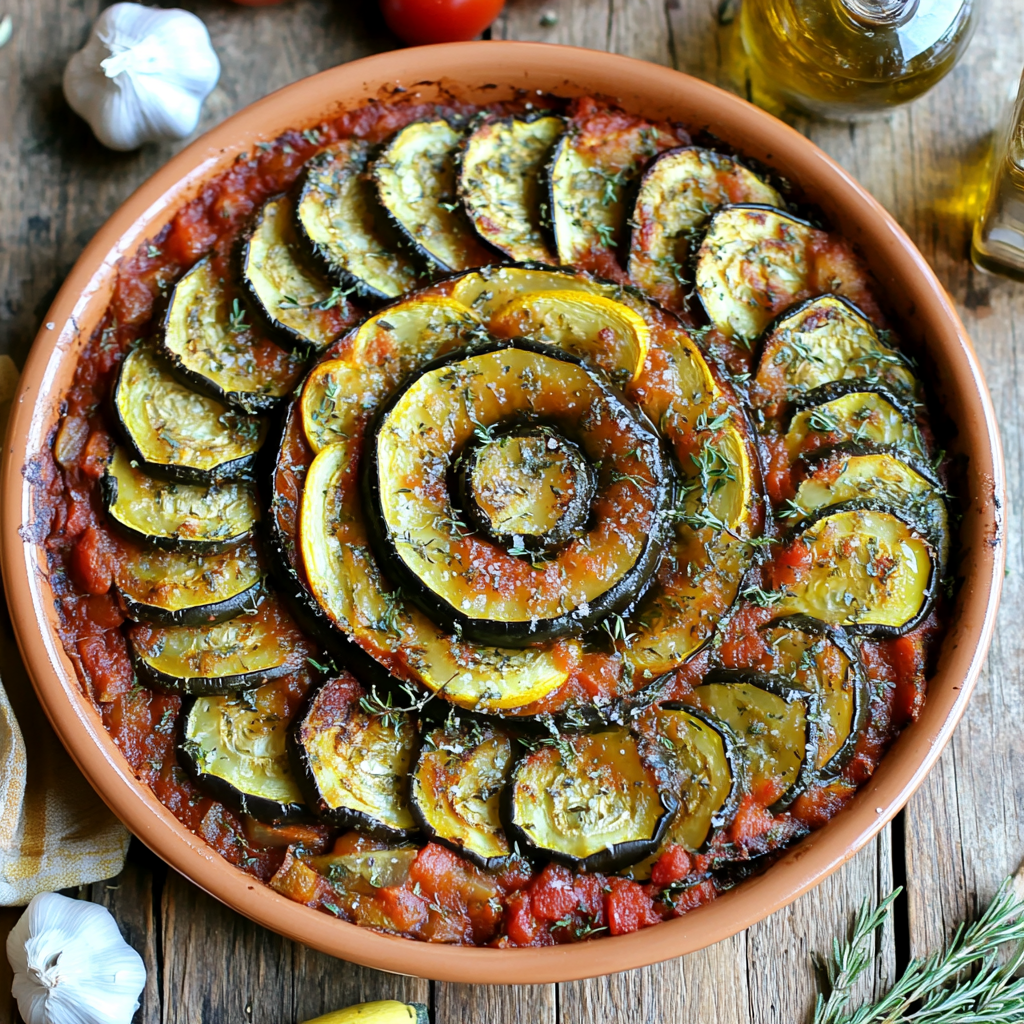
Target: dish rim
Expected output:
[497,67]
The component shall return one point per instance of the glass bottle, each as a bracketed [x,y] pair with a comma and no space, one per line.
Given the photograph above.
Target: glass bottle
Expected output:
[850,58]
[997,244]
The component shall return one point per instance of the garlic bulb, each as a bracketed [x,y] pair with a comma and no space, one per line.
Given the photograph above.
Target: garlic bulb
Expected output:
[142,76]
[71,965]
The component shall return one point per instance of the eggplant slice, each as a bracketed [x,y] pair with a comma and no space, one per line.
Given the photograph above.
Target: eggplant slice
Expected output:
[352,763]
[849,411]
[174,433]
[824,660]
[706,770]
[339,216]
[678,192]
[861,565]
[457,783]
[212,347]
[234,747]
[529,487]
[776,725]
[752,262]
[239,654]
[857,472]
[500,184]
[591,801]
[604,333]
[176,517]
[420,540]
[416,183]
[298,306]
[592,168]
[171,588]
[823,340]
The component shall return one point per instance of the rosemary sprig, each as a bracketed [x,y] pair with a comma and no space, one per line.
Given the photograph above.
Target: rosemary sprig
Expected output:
[963,984]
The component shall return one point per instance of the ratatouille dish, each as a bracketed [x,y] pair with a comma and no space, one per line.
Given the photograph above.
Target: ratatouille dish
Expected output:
[501,526]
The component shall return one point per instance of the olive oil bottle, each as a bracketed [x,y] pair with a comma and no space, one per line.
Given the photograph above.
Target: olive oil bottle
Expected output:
[998,241]
[847,59]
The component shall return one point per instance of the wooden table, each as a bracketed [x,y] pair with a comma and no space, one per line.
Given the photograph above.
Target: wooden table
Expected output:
[959,836]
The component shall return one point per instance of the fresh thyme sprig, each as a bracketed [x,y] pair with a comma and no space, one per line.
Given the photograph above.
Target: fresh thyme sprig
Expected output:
[964,984]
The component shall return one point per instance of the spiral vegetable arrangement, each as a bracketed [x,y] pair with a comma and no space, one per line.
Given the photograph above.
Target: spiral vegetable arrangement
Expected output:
[597,587]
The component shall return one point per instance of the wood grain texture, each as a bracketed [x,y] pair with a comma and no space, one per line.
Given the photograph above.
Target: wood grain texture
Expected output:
[962,832]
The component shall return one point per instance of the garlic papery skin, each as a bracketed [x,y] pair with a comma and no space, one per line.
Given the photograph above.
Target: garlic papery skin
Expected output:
[71,965]
[142,76]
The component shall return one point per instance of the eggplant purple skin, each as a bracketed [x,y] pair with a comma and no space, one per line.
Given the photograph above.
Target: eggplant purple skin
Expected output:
[108,495]
[617,599]
[339,817]
[487,863]
[249,402]
[876,630]
[850,386]
[780,687]
[608,861]
[841,638]
[284,335]
[318,260]
[199,615]
[737,766]
[270,812]
[203,686]
[233,470]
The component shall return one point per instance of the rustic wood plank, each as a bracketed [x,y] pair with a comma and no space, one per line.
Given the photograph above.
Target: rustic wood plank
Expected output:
[218,966]
[475,1004]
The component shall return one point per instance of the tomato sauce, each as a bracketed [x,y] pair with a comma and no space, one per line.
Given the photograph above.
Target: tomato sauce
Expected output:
[440,897]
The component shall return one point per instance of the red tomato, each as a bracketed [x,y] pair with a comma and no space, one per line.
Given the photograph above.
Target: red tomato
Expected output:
[439,21]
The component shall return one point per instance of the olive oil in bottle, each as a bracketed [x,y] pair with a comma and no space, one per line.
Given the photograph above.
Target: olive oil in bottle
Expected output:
[998,241]
[850,58]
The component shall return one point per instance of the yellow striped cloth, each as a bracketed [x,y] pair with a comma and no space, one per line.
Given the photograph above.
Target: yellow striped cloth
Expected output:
[55,832]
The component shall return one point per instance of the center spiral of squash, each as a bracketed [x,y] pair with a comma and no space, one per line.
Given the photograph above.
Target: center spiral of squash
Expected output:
[517,467]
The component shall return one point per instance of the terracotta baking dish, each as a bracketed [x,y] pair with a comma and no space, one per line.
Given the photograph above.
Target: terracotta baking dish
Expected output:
[481,72]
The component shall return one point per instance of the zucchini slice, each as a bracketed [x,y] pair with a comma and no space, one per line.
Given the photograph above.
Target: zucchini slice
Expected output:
[678,192]
[300,307]
[213,349]
[235,747]
[823,660]
[340,394]
[849,411]
[862,566]
[706,770]
[176,517]
[349,586]
[853,472]
[352,764]
[593,165]
[171,588]
[419,537]
[500,183]
[529,487]
[590,801]
[174,433]
[602,332]
[416,184]
[752,262]
[339,216]
[457,783]
[776,727]
[823,340]
[239,654]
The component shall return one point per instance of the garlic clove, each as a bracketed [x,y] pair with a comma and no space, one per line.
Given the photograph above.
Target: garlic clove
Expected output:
[142,76]
[71,965]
